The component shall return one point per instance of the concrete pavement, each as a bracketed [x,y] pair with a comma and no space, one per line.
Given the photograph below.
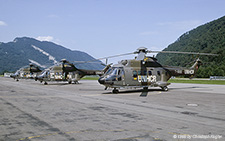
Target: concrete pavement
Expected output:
[60,111]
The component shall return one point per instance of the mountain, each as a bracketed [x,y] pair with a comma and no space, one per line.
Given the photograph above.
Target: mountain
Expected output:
[208,38]
[23,51]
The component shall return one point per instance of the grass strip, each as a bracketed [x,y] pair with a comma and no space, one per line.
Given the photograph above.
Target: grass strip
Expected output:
[196,81]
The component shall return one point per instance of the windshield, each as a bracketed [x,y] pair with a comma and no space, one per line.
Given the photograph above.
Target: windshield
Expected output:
[108,71]
[45,72]
[17,72]
[114,72]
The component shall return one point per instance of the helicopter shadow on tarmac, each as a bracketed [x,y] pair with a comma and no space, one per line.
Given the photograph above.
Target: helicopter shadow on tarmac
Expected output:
[60,83]
[145,93]
[134,91]
[181,88]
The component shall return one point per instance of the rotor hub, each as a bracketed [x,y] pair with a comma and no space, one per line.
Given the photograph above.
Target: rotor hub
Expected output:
[142,49]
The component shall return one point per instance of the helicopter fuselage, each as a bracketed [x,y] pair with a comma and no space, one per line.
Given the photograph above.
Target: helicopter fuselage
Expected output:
[65,72]
[141,73]
[26,73]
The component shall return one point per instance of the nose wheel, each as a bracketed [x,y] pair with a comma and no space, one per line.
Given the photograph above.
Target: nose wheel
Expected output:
[115,91]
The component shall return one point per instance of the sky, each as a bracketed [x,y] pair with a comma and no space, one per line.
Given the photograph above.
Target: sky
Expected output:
[105,27]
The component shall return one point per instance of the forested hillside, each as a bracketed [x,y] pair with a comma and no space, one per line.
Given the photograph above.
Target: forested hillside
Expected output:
[208,38]
[25,50]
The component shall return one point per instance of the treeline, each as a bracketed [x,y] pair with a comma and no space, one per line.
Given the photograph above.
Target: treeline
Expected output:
[208,38]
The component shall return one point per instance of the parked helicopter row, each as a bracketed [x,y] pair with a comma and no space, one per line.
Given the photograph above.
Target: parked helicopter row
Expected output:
[142,72]
[64,71]
[27,72]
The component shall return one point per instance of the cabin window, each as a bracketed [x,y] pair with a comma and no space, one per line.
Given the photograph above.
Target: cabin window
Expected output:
[158,72]
[134,73]
[122,73]
[149,72]
[145,72]
[139,72]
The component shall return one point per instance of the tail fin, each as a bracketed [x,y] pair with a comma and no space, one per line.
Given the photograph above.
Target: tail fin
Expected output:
[195,67]
[69,68]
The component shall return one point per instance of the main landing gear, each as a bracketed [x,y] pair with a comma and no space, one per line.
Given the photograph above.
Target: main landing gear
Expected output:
[165,88]
[115,91]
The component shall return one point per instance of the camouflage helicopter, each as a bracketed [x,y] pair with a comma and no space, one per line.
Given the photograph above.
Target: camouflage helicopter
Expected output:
[27,72]
[67,71]
[144,72]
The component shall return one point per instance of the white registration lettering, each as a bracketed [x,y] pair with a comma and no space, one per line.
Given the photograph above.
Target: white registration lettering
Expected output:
[179,71]
[189,71]
[52,75]
[152,78]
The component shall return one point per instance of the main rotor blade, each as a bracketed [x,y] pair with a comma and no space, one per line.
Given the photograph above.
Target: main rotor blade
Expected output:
[180,52]
[104,58]
[80,62]
[116,56]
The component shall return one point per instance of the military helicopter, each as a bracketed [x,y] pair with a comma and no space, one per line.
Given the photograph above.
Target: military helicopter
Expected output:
[27,72]
[67,71]
[144,72]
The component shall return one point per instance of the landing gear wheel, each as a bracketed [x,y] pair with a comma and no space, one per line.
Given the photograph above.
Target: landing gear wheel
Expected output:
[165,88]
[45,83]
[115,91]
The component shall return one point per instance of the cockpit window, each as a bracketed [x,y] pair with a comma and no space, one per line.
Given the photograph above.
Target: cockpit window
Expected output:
[114,72]
[118,72]
[109,71]
[43,73]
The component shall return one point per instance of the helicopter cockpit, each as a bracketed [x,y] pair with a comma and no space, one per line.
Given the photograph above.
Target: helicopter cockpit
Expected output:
[111,76]
[43,75]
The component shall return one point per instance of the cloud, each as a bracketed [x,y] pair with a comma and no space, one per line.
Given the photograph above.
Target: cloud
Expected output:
[45,38]
[2,23]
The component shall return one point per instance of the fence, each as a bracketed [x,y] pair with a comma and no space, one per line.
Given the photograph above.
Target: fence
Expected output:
[217,77]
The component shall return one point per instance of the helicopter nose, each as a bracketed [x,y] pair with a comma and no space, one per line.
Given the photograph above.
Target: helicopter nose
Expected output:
[101,80]
[105,81]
